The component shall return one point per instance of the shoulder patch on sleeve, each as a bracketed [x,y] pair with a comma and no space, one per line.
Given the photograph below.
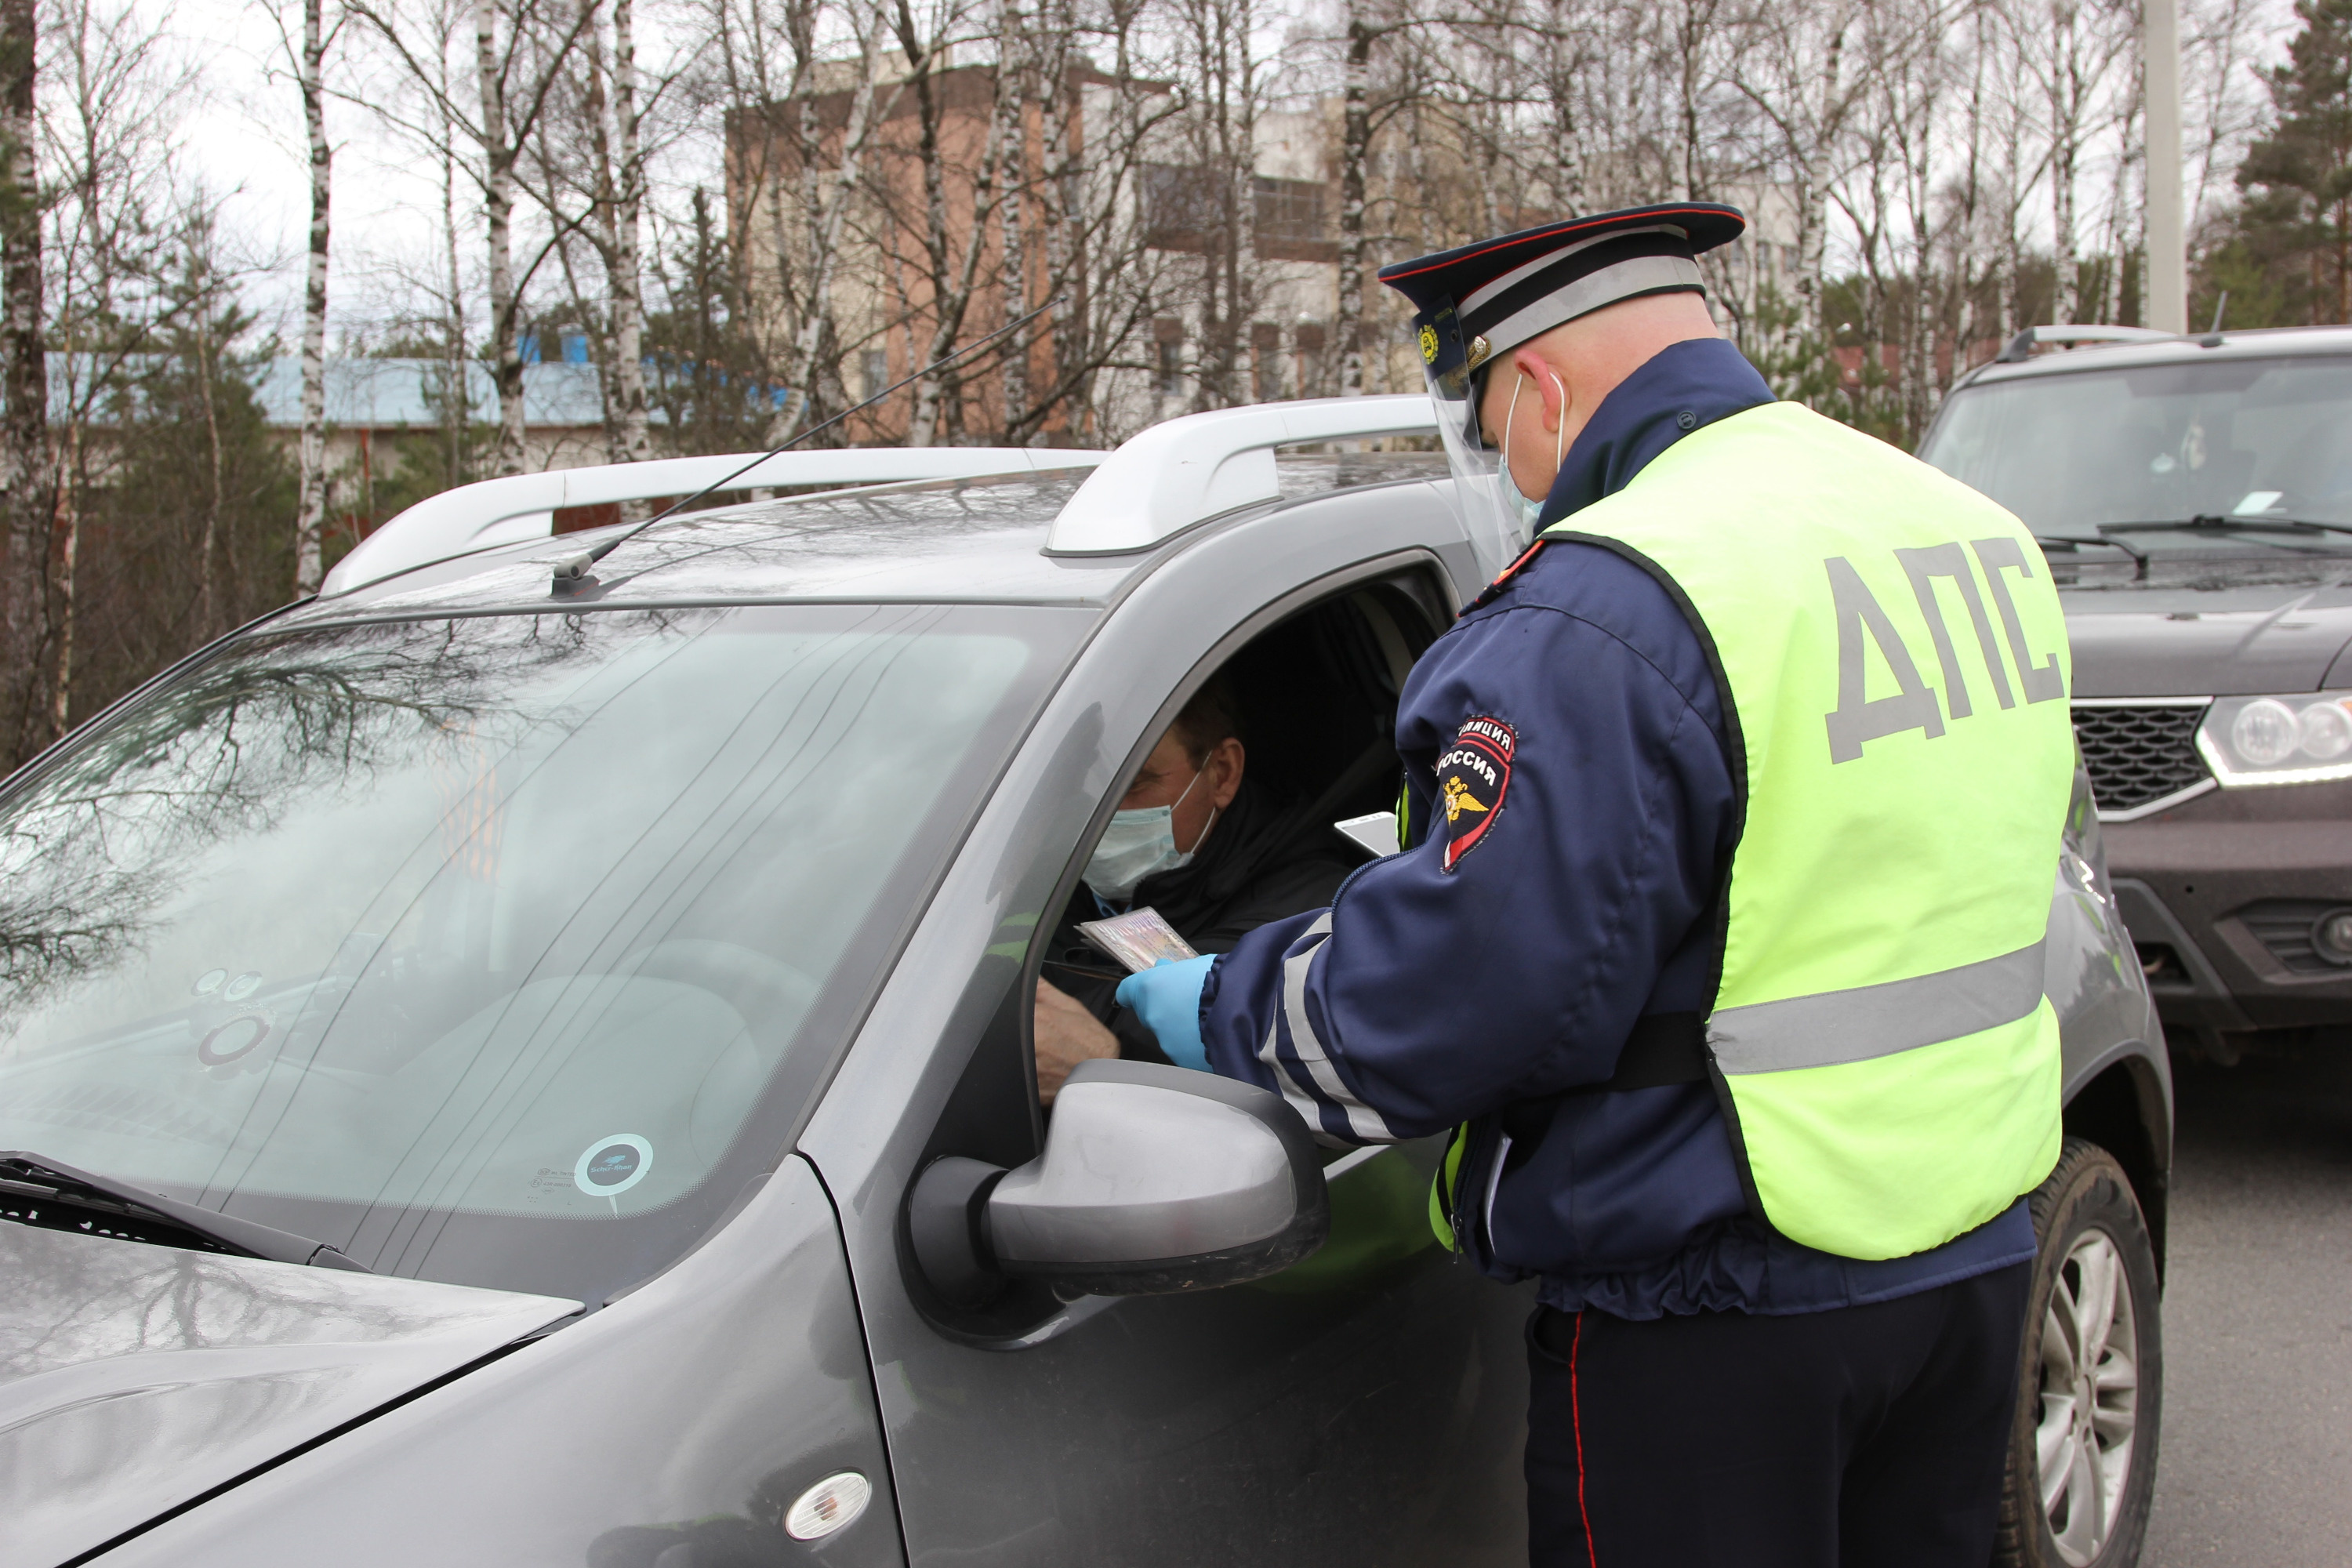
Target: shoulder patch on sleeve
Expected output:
[1474,774]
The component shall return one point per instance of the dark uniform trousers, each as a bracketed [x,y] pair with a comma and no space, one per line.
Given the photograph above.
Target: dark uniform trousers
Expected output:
[1857,1437]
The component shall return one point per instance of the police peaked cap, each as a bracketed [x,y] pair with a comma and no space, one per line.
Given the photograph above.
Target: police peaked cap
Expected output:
[1506,290]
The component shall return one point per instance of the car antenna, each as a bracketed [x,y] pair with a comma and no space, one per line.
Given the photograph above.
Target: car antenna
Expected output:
[572,570]
[2212,338]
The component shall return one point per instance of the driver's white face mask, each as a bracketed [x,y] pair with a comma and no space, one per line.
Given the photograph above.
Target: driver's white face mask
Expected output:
[1530,507]
[1140,843]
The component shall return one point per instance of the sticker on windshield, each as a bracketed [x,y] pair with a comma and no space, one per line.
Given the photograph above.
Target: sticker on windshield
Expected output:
[611,1166]
[233,1041]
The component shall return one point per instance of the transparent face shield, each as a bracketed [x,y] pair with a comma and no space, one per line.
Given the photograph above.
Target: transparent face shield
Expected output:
[1485,496]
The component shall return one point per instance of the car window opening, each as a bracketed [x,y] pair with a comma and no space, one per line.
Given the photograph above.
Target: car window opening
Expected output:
[1308,710]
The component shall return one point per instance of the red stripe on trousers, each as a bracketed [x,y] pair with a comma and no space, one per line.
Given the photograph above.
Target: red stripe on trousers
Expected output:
[1576,1414]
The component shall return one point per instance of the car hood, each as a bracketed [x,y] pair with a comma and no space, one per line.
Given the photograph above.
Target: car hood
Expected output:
[134,1379]
[2211,638]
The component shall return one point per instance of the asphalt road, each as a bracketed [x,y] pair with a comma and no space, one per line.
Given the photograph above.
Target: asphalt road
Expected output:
[2256,1467]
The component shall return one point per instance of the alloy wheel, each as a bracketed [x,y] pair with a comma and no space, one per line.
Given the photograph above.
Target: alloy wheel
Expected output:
[2090,1397]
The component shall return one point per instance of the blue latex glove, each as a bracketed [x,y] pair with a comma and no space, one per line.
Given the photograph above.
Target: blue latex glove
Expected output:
[1167,997]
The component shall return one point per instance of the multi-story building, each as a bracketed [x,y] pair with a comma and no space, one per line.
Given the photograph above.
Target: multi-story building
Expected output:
[1199,253]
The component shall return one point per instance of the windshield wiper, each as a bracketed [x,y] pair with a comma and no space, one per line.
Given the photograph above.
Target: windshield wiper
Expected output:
[2076,542]
[36,1175]
[2208,523]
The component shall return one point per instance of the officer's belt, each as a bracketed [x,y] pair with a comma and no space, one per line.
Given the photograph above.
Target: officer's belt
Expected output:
[1663,1048]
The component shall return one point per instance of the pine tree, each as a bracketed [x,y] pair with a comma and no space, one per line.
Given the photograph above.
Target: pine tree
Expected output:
[186,493]
[2297,220]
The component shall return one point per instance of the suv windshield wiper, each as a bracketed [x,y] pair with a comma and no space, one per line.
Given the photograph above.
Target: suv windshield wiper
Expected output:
[43,1179]
[2207,523]
[2076,542]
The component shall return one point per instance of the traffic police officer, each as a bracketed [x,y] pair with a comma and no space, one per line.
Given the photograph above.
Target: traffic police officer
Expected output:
[1732,813]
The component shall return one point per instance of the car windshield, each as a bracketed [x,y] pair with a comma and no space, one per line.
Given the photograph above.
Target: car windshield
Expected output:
[502,951]
[2249,441]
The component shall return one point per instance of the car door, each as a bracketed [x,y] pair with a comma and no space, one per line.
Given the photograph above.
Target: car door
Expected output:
[1364,1407]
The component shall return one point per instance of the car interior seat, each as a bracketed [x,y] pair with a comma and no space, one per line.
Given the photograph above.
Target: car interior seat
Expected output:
[1319,696]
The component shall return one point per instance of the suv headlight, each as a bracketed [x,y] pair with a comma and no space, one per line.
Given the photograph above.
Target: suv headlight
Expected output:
[2278,739]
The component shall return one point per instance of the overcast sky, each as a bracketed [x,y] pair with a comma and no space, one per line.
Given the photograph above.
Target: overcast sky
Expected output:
[243,134]
[243,137]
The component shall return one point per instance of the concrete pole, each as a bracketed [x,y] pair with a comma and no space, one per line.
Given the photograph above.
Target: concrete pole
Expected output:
[2168,240]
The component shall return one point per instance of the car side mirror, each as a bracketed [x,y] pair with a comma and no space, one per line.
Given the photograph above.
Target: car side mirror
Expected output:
[1155,1179]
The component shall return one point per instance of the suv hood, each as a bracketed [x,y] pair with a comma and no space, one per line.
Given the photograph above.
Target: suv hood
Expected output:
[2211,639]
[134,1379]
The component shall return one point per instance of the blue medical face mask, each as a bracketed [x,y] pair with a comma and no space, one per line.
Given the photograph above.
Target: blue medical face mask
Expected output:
[1528,509]
[1140,843]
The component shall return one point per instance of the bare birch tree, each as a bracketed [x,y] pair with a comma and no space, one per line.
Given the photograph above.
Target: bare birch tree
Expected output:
[24,385]
[521,50]
[309,566]
[309,60]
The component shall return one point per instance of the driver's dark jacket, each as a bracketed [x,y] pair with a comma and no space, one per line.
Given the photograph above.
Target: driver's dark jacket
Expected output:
[1495,991]
[1259,862]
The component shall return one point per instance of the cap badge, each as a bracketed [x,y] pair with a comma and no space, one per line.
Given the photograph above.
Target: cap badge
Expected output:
[1429,345]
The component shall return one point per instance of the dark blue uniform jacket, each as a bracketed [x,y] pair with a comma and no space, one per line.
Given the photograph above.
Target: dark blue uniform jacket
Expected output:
[1579,897]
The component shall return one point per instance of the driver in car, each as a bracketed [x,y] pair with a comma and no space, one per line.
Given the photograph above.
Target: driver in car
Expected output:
[1214,854]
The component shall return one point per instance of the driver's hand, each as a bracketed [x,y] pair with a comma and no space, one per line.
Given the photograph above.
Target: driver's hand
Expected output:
[1067,1035]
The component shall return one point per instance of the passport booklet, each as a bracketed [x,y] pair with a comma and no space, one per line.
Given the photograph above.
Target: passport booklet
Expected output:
[1137,939]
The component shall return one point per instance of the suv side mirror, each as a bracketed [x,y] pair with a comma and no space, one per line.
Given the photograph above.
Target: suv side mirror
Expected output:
[1154,1179]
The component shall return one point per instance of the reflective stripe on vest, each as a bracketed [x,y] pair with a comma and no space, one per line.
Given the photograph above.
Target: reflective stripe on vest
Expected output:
[1892,662]
[1868,1021]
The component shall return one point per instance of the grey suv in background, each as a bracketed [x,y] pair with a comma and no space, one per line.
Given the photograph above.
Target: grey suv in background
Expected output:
[2194,499]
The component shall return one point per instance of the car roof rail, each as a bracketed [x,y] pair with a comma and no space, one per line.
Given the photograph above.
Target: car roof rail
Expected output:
[1186,470]
[521,506]
[2021,347]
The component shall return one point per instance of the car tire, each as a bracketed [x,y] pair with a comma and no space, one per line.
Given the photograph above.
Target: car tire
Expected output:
[2082,1445]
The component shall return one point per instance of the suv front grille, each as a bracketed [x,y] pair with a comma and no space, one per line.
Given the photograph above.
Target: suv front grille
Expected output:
[2140,754]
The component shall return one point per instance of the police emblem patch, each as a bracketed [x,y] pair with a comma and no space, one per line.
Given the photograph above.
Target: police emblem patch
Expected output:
[1473,773]
[1429,345]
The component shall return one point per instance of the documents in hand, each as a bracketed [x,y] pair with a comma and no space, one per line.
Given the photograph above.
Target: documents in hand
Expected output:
[1138,939]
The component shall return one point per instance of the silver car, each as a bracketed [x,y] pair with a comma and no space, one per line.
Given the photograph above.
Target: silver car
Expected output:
[502,1069]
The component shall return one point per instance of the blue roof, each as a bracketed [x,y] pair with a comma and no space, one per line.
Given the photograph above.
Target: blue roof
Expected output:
[399,393]
[380,393]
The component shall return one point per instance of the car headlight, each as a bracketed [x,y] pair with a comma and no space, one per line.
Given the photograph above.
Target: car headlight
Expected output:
[2278,739]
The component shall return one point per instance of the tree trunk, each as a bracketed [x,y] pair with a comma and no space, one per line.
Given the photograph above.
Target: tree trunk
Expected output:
[309,520]
[24,384]
[2065,132]
[938,394]
[825,211]
[66,532]
[498,206]
[1355,144]
[605,229]
[628,295]
[208,543]
[456,397]
[1565,138]
[930,390]
[1012,161]
[1059,195]
[1813,197]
